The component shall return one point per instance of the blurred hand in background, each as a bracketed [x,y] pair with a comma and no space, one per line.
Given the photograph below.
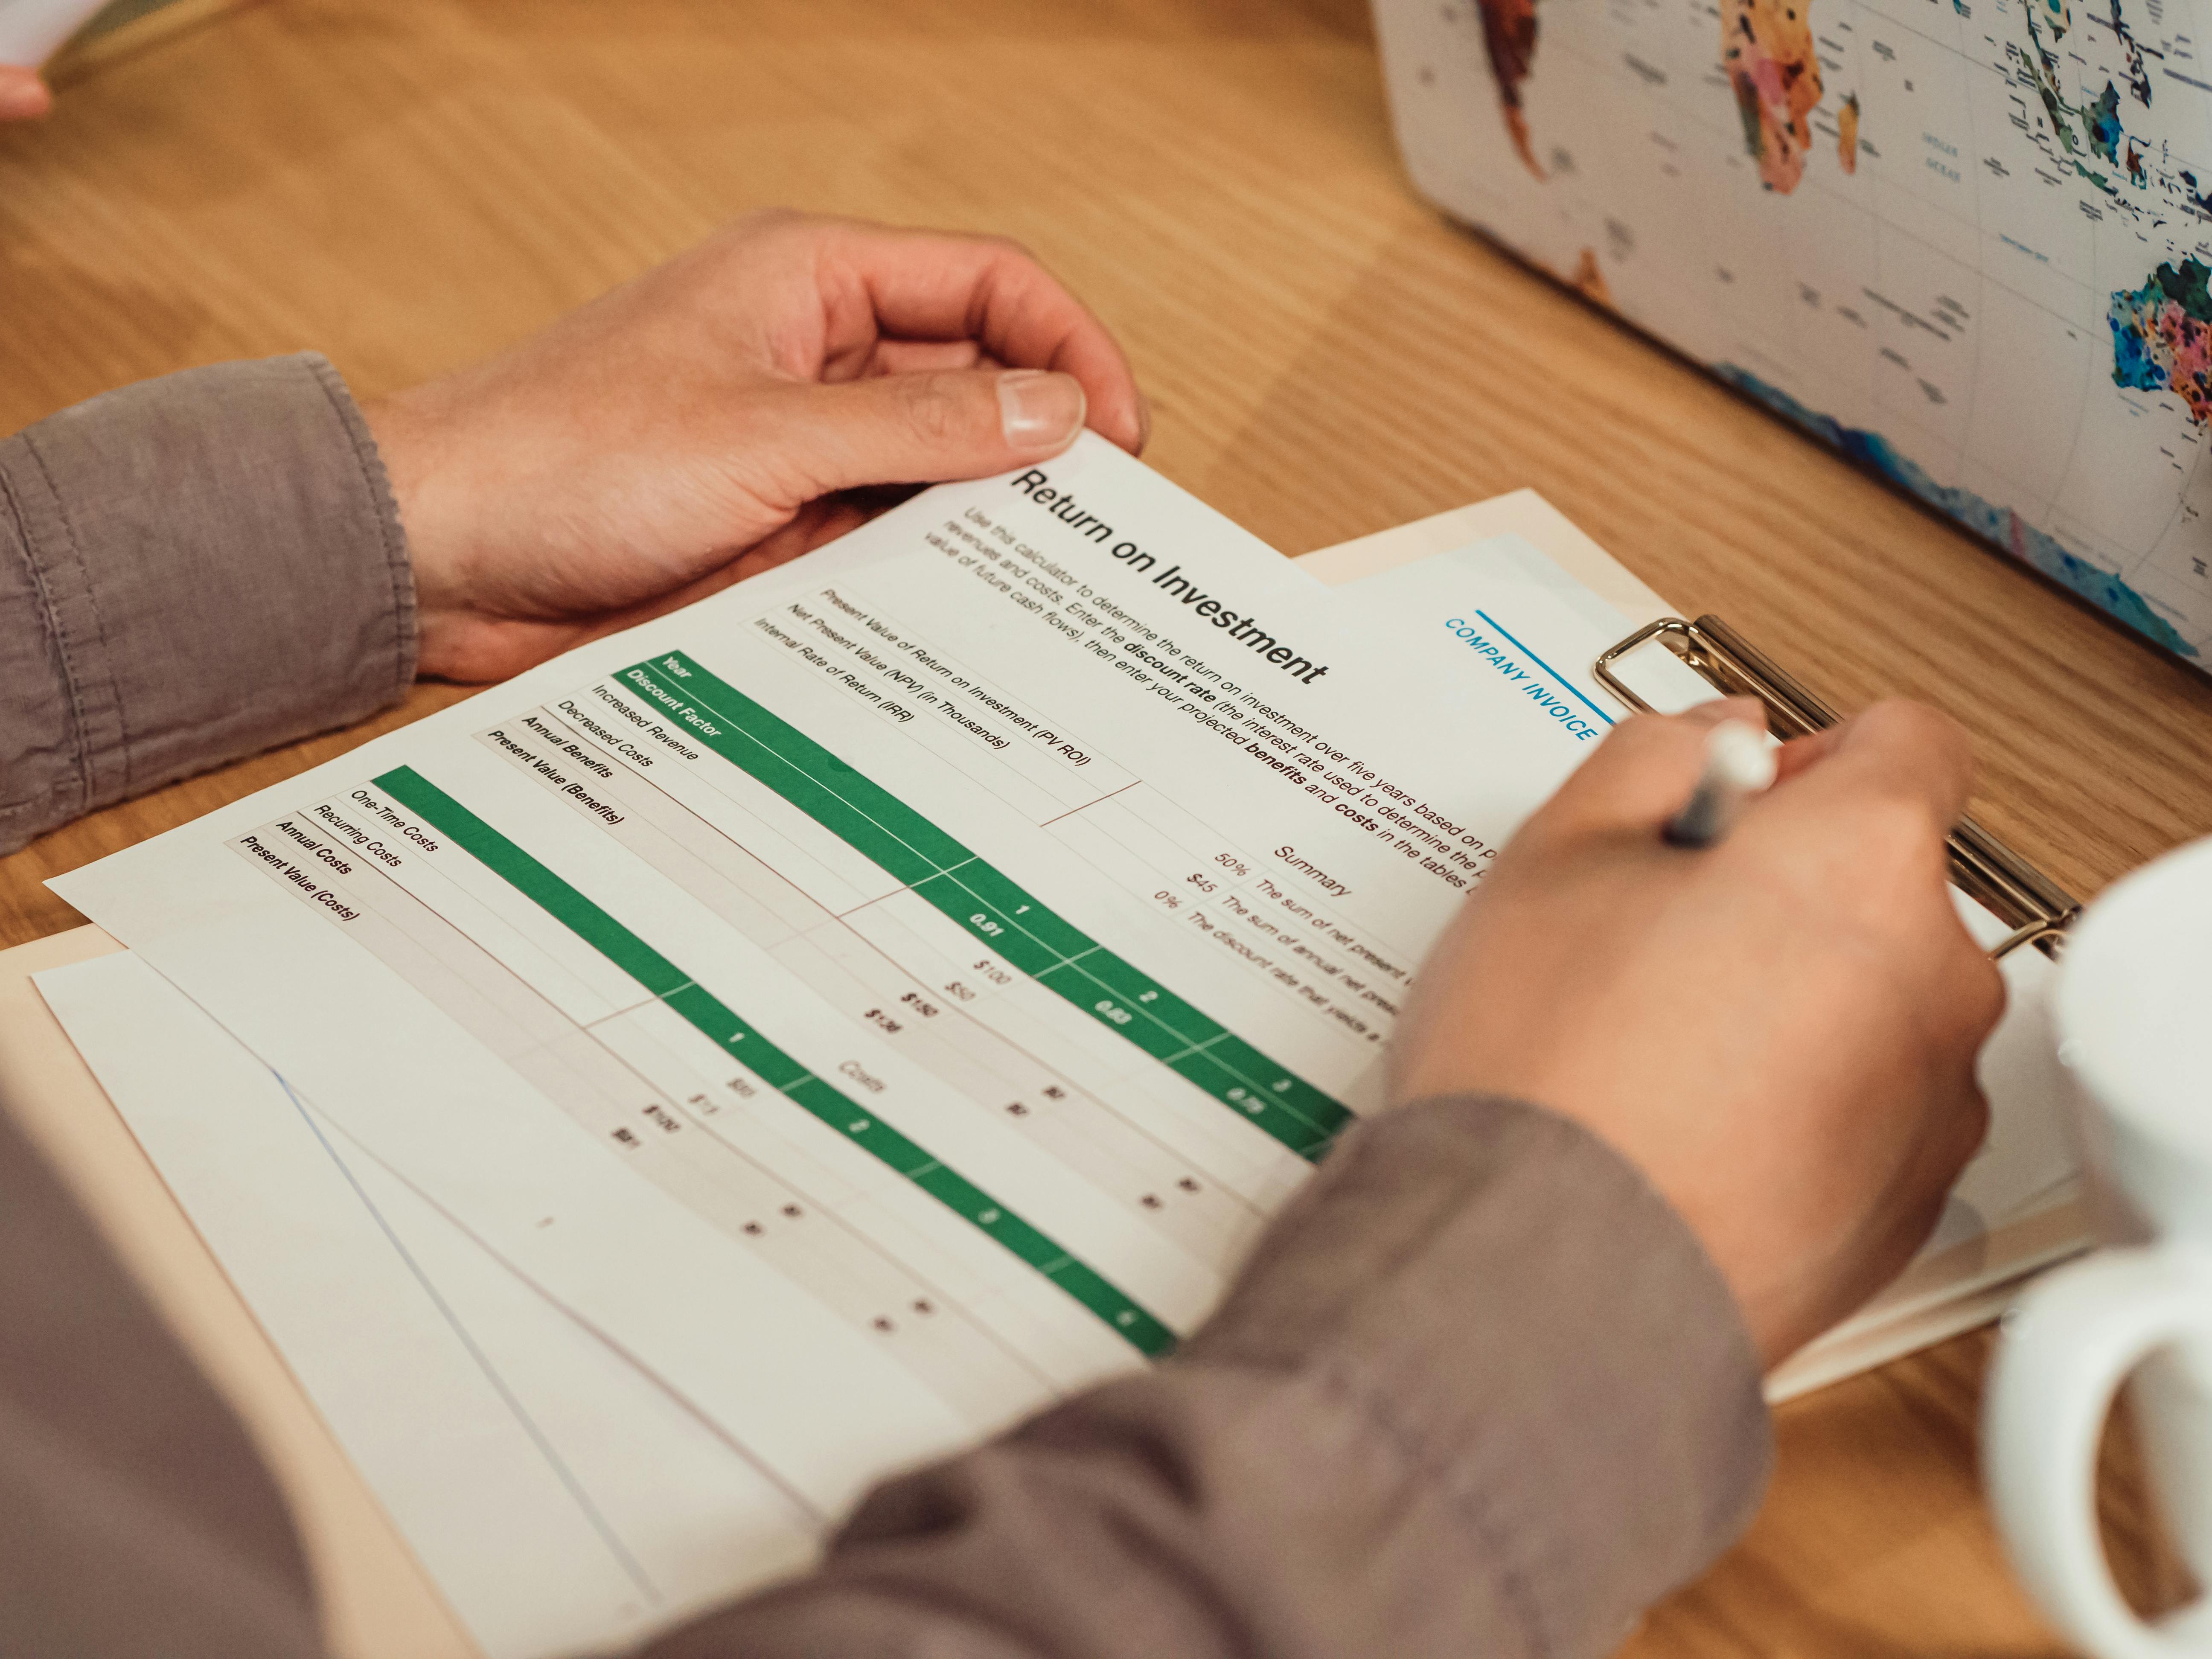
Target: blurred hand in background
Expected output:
[23,96]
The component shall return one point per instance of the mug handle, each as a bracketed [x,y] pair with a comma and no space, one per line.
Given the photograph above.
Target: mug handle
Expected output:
[2066,1347]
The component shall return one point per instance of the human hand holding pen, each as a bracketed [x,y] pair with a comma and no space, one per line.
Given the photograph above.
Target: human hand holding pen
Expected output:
[1779,1029]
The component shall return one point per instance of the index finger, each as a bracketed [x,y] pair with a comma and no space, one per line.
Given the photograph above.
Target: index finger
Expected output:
[926,285]
[1893,751]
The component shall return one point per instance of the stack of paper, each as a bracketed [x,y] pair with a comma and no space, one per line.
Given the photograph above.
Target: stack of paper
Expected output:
[794,1038]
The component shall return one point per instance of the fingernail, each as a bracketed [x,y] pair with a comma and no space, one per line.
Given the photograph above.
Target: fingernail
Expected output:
[1037,407]
[1144,421]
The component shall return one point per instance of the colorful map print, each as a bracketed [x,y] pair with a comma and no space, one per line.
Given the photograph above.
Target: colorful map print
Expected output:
[2043,66]
[1508,33]
[2000,525]
[2104,123]
[2162,336]
[2093,121]
[1766,47]
[1968,243]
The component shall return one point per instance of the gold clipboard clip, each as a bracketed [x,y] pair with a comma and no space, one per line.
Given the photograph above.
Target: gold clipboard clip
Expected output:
[2036,908]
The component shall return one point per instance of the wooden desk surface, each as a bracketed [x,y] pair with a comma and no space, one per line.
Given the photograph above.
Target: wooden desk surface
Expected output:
[408,185]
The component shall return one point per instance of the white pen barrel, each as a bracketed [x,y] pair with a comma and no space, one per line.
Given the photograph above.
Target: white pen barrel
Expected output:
[1739,763]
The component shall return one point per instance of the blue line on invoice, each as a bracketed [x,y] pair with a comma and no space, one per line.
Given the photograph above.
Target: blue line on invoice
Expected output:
[1548,668]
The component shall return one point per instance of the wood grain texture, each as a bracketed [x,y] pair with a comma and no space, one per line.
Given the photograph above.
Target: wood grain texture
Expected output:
[409,185]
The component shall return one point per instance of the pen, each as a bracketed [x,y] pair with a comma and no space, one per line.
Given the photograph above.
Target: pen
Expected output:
[1739,763]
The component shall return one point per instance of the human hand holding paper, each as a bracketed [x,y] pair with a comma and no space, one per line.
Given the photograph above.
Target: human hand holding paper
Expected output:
[1779,1030]
[701,424]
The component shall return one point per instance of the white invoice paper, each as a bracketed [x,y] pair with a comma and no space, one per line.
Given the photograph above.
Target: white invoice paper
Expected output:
[894,992]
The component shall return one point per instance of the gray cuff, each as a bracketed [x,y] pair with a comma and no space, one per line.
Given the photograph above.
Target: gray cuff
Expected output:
[191,569]
[1541,1334]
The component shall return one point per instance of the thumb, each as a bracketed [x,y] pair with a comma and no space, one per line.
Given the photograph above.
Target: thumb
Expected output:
[927,427]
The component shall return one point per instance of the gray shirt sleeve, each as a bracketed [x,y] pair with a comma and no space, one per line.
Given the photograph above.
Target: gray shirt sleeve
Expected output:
[1479,1391]
[190,570]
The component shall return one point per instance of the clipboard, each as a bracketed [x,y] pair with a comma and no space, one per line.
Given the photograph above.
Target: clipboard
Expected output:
[2036,909]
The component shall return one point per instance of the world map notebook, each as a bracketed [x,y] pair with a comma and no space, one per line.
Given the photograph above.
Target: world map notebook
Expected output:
[1964,242]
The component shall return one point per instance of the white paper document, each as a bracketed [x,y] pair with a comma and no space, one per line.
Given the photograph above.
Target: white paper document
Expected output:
[893,993]
[872,1003]
[563,1501]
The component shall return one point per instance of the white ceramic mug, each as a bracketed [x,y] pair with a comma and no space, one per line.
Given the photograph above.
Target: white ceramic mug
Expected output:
[2134,1016]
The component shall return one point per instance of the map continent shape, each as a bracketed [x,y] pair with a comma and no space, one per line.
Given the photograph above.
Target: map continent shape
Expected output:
[1767,48]
[2162,335]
